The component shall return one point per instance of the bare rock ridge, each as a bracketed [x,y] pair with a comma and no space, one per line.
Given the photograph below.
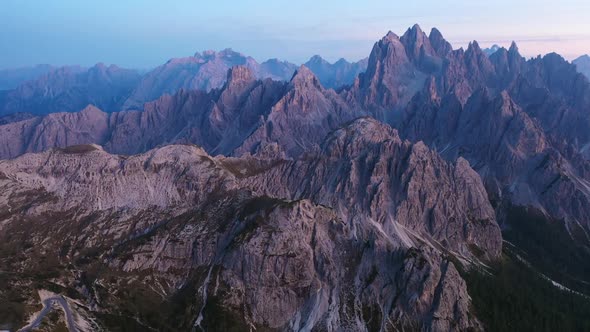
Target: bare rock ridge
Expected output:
[208,226]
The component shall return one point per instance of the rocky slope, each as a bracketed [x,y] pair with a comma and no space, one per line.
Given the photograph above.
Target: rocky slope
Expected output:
[175,228]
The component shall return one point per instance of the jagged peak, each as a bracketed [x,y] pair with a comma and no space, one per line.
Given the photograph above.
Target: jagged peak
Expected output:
[435,33]
[414,31]
[513,48]
[474,47]
[416,42]
[414,34]
[390,37]
[440,45]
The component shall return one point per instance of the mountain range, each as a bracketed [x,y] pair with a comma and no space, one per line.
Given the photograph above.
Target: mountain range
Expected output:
[425,188]
[44,89]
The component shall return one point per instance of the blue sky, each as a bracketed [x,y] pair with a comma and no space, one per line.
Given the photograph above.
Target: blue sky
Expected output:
[145,33]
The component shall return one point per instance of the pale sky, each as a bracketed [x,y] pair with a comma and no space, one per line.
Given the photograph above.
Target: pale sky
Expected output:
[146,33]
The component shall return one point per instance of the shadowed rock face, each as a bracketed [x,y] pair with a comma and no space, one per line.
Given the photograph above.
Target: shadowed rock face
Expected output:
[207,226]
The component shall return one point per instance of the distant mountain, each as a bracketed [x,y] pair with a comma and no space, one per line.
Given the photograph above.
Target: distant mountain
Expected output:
[276,69]
[337,74]
[245,116]
[69,89]
[491,50]
[203,71]
[11,78]
[583,65]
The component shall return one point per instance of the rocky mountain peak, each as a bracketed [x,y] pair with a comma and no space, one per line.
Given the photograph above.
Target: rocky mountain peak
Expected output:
[415,41]
[474,47]
[318,60]
[390,37]
[513,48]
[439,43]
[304,78]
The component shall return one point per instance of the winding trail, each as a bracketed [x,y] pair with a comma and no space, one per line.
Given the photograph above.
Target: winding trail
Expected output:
[47,307]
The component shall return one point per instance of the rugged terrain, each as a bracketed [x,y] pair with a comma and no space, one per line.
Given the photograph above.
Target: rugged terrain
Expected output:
[176,228]
[286,205]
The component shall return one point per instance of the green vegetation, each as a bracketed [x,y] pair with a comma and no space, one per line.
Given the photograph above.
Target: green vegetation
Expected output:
[516,297]
[549,248]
